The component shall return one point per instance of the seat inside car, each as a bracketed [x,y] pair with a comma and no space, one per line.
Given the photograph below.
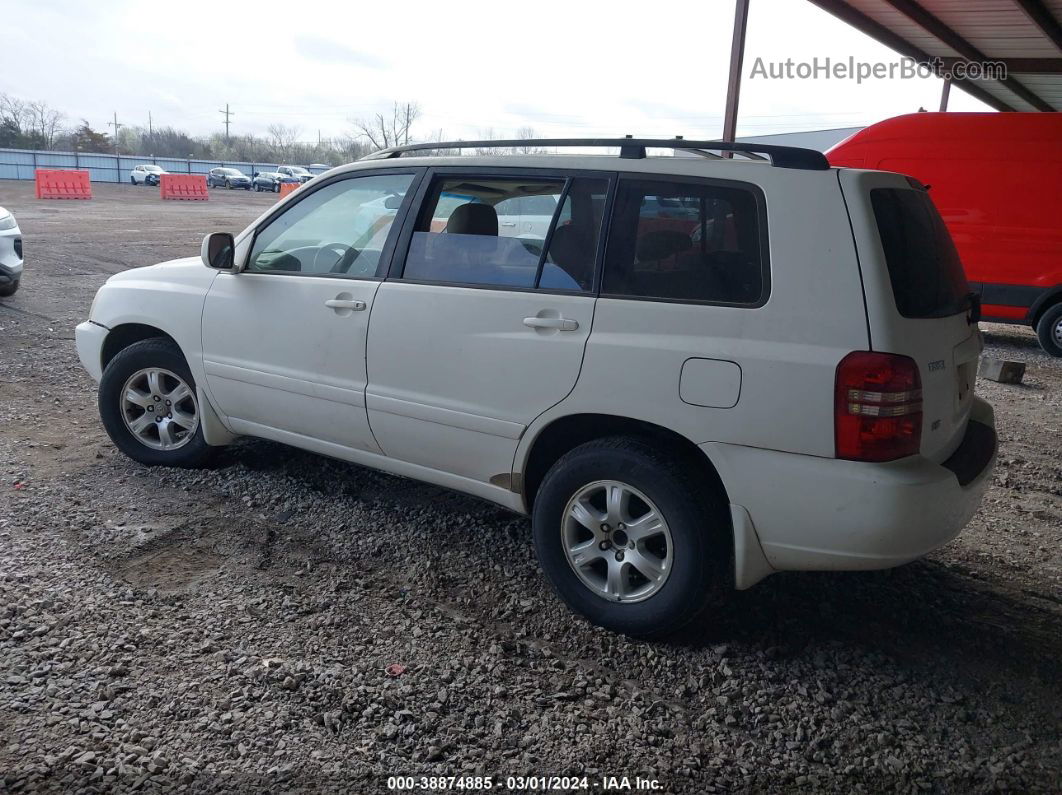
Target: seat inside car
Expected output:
[473,219]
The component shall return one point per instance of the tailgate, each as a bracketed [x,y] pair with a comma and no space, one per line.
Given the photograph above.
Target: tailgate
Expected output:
[917,298]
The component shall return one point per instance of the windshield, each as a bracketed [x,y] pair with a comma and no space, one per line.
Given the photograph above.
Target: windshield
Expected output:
[231,172]
[153,169]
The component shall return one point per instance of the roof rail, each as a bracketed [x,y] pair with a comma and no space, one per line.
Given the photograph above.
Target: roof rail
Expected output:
[634,148]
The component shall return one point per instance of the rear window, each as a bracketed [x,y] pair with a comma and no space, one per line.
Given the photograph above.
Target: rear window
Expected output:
[924,267]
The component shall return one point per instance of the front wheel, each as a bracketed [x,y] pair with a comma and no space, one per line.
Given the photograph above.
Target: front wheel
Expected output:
[149,405]
[629,538]
[1049,330]
[8,290]
[132,181]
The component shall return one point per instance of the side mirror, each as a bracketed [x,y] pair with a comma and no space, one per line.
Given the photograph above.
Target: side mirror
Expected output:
[218,251]
[393,202]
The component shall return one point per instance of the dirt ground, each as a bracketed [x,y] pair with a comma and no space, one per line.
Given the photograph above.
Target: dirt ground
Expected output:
[232,629]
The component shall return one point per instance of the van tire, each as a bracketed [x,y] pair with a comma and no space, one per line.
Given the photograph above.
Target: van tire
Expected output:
[153,353]
[693,514]
[1049,330]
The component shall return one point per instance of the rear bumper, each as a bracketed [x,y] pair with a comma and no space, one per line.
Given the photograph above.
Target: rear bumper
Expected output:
[89,337]
[812,513]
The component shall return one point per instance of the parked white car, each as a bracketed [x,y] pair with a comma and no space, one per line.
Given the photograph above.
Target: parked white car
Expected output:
[698,373]
[11,259]
[298,172]
[146,174]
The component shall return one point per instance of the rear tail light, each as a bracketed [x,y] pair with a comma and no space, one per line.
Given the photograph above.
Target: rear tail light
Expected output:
[877,407]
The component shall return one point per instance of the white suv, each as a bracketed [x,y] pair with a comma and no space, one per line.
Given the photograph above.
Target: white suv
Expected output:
[702,371]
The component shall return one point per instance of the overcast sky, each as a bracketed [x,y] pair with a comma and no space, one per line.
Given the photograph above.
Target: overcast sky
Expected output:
[563,68]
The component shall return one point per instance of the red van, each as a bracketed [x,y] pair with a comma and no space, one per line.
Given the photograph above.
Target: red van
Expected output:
[997,180]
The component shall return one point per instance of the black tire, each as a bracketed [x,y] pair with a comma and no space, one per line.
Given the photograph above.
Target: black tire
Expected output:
[695,514]
[276,187]
[1049,330]
[155,352]
[228,185]
[132,181]
[8,290]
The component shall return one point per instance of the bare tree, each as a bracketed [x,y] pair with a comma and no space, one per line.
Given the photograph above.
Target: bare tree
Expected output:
[45,121]
[383,132]
[527,133]
[283,138]
[14,112]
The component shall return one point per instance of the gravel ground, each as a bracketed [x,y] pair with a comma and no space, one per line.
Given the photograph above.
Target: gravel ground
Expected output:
[288,622]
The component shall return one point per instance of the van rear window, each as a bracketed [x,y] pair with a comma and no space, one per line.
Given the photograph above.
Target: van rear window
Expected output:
[924,267]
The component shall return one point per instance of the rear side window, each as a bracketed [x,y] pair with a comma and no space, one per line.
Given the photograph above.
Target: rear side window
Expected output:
[924,267]
[520,233]
[678,241]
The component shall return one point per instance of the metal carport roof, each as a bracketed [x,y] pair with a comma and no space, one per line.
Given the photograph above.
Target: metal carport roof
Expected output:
[1026,35]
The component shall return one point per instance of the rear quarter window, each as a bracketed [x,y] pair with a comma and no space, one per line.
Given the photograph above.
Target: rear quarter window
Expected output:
[924,268]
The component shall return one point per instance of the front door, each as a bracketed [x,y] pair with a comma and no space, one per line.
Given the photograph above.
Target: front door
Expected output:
[484,327]
[284,340]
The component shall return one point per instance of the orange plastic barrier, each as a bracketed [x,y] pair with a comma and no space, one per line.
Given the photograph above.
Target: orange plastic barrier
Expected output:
[61,183]
[189,187]
[288,187]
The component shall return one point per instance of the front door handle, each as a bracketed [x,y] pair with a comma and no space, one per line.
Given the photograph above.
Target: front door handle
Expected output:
[344,303]
[508,223]
[561,323]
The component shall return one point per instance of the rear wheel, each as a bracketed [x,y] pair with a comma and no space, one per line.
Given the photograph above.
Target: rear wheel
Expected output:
[149,405]
[8,290]
[629,538]
[1049,330]
[132,181]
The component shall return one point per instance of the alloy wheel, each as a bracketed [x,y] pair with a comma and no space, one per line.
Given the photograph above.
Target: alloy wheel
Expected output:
[617,541]
[159,409]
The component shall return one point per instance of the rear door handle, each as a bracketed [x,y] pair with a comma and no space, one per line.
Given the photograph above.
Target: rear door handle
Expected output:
[562,323]
[342,303]
[508,223]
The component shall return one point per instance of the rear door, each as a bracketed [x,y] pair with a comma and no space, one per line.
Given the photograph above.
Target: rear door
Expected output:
[918,299]
[479,332]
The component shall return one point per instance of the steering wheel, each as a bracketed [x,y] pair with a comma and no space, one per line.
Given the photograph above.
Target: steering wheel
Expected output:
[346,255]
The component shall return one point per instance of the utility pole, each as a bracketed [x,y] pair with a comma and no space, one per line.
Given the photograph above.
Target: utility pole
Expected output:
[151,135]
[116,127]
[227,113]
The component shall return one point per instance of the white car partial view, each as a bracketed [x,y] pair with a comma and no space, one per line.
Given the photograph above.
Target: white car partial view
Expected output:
[146,174]
[689,373]
[11,257]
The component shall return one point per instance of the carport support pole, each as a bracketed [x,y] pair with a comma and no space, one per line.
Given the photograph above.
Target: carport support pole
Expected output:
[733,87]
[944,92]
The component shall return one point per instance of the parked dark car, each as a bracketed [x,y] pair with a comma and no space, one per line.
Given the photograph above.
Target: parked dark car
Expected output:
[272,180]
[228,178]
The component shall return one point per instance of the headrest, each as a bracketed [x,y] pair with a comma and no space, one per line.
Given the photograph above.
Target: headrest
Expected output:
[473,219]
[661,244]
[570,247]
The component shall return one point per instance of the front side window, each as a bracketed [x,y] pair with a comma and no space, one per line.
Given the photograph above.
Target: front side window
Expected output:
[681,241]
[521,233]
[340,229]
